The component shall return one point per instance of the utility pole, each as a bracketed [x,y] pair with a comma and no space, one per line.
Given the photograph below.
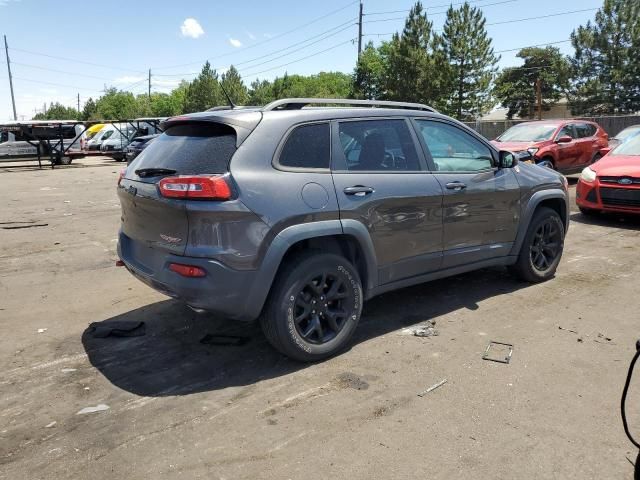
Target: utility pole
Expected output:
[78,103]
[539,97]
[360,30]
[13,98]
[149,94]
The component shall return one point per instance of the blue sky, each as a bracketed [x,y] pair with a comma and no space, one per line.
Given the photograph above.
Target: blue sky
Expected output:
[114,43]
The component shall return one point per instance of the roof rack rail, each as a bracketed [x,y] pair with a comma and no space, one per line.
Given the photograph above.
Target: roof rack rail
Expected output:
[298,103]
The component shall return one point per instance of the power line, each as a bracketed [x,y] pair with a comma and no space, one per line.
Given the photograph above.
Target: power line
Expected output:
[533,46]
[74,60]
[444,12]
[59,71]
[252,74]
[488,24]
[56,84]
[275,37]
[342,27]
[428,8]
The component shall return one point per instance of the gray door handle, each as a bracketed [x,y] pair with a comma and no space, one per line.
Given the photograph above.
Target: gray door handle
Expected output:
[457,186]
[358,190]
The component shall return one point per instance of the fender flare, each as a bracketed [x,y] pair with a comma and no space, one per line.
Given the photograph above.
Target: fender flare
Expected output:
[531,206]
[266,273]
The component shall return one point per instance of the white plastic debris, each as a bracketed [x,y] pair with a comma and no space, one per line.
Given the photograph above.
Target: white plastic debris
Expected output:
[42,330]
[50,424]
[98,408]
[68,370]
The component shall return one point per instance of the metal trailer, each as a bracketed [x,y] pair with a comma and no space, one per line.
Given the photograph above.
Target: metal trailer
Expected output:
[52,144]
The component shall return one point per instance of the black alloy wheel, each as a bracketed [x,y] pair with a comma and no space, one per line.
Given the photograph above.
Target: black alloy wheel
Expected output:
[319,311]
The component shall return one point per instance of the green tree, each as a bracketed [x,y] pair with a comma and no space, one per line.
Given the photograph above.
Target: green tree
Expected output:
[90,110]
[416,63]
[471,61]
[606,64]
[57,111]
[116,104]
[261,92]
[516,87]
[234,86]
[204,91]
[370,75]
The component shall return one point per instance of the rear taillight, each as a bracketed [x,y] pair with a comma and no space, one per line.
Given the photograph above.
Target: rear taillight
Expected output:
[121,175]
[187,270]
[196,186]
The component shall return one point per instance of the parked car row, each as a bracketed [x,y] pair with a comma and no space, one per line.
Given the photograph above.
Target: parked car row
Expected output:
[114,140]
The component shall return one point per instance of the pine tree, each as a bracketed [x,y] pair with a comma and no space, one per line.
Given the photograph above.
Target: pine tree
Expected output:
[415,61]
[516,87]
[471,61]
[370,73]
[606,62]
[234,86]
[204,92]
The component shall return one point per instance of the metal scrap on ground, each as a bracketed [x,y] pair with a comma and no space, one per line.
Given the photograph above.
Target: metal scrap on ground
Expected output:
[432,388]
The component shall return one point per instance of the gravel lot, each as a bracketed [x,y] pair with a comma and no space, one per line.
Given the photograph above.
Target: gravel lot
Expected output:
[178,408]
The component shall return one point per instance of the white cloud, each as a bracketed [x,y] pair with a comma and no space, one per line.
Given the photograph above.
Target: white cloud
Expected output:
[191,28]
[250,35]
[129,79]
[4,3]
[235,43]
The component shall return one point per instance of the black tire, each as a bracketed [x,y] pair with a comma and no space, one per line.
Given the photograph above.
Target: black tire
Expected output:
[542,247]
[547,162]
[308,331]
[588,212]
[66,161]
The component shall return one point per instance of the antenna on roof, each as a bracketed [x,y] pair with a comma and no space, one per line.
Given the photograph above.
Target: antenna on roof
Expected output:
[231,104]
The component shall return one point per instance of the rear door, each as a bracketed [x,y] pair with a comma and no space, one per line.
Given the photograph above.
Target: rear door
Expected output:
[380,180]
[481,204]
[151,223]
[588,143]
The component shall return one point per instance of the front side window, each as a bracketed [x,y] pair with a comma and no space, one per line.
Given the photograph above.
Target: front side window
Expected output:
[566,131]
[454,150]
[308,147]
[378,146]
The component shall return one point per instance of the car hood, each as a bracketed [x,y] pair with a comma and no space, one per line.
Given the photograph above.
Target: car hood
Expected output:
[515,146]
[618,166]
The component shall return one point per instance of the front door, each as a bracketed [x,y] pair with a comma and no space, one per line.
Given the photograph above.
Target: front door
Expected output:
[568,153]
[481,204]
[381,182]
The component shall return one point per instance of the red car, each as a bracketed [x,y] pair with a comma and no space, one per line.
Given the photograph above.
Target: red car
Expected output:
[612,184]
[564,145]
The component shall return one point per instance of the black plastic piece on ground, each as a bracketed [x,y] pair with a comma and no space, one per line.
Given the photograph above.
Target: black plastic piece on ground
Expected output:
[117,329]
[232,340]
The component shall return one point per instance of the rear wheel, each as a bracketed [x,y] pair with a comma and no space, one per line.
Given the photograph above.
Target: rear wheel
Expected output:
[314,306]
[542,247]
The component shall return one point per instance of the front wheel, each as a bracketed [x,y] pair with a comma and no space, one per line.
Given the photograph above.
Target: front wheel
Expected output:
[542,247]
[314,306]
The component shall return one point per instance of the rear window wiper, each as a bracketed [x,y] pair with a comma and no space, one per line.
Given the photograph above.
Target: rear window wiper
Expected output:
[152,172]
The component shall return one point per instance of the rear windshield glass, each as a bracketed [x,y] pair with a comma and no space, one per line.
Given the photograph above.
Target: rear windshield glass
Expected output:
[190,149]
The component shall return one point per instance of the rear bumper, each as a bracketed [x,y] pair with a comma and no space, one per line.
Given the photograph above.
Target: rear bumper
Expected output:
[588,196]
[223,291]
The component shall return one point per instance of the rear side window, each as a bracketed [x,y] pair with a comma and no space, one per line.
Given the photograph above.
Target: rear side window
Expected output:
[191,149]
[378,146]
[308,146]
[584,130]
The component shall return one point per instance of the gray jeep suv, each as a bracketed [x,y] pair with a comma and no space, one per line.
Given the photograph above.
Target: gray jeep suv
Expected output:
[297,213]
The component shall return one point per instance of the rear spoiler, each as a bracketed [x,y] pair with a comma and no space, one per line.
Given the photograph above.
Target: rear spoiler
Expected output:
[243,122]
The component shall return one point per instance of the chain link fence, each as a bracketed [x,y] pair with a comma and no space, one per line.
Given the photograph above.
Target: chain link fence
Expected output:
[612,125]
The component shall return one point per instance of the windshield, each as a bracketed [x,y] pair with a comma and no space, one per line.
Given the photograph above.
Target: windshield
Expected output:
[528,133]
[628,132]
[630,147]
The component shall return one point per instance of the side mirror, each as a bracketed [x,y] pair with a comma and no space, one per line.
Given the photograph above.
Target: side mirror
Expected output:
[564,139]
[508,159]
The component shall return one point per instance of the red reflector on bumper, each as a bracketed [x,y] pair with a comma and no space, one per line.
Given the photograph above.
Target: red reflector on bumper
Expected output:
[119,263]
[187,270]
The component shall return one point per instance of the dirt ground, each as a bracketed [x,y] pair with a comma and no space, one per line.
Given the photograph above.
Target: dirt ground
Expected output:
[178,408]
